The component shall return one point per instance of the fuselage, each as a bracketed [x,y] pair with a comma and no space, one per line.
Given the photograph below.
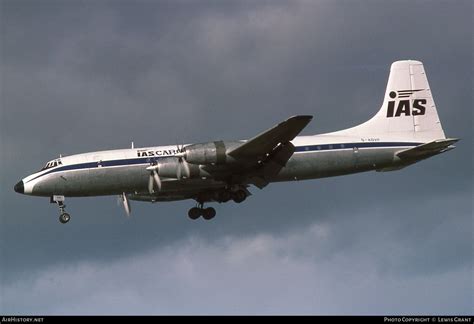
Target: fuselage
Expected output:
[124,171]
[405,130]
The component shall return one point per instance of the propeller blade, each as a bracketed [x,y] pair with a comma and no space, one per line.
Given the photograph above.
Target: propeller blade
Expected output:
[186,169]
[153,177]
[182,166]
[150,184]
[152,167]
[178,170]
[126,204]
[157,179]
[180,151]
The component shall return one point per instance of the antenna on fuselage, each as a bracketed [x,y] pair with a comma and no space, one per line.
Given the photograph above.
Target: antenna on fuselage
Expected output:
[133,145]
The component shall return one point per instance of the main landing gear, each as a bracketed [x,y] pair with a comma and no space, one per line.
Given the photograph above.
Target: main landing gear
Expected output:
[206,213]
[63,216]
[237,195]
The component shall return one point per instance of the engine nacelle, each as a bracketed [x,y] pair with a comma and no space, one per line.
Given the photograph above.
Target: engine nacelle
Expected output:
[206,153]
[168,167]
[171,167]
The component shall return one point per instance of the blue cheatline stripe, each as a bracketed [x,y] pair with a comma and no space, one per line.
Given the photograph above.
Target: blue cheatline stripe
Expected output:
[91,165]
[339,146]
[147,160]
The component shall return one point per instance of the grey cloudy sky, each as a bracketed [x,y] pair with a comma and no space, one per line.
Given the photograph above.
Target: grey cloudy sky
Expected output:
[80,76]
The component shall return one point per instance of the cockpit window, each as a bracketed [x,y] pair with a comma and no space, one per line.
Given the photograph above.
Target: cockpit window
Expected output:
[51,164]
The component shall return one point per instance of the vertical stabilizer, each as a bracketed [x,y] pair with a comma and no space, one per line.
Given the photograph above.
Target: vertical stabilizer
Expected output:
[408,109]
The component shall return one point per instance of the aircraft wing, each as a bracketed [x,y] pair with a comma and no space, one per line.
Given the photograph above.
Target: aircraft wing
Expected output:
[267,153]
[264,143]
[428,149]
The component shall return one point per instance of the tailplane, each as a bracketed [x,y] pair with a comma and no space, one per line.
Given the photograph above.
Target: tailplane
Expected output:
[408,109]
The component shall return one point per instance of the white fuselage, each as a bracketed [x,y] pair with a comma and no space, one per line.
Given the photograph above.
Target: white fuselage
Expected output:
[124,171]
[405,130]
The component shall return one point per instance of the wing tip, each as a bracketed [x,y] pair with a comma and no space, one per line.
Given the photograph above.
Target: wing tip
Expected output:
[300,118]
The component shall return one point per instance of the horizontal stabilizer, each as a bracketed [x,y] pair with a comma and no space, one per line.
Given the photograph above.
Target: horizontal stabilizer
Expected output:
[265,142]
[429,149]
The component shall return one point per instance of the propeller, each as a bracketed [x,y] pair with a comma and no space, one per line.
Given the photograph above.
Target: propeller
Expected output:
[182,164]
[179,151]
[154,178]
[126,204]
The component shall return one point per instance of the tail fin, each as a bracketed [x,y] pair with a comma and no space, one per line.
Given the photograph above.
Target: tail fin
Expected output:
[408,109]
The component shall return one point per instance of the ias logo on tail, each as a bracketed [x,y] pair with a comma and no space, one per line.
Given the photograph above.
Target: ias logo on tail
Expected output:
[404,107]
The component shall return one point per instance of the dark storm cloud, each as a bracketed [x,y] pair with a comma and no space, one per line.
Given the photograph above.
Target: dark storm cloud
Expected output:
[346,281]
[81,76]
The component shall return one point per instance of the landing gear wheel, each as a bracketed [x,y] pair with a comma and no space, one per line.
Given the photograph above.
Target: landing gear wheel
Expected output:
[239,196]
[225,196]
[194,213]
[64,218]
[208,213]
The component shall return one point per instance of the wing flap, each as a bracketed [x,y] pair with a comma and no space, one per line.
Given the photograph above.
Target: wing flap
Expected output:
[272,165]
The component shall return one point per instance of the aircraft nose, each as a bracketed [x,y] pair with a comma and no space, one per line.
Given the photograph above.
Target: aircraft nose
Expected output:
[19,187]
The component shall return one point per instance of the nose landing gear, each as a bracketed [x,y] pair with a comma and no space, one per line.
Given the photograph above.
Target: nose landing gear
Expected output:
[63,216]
